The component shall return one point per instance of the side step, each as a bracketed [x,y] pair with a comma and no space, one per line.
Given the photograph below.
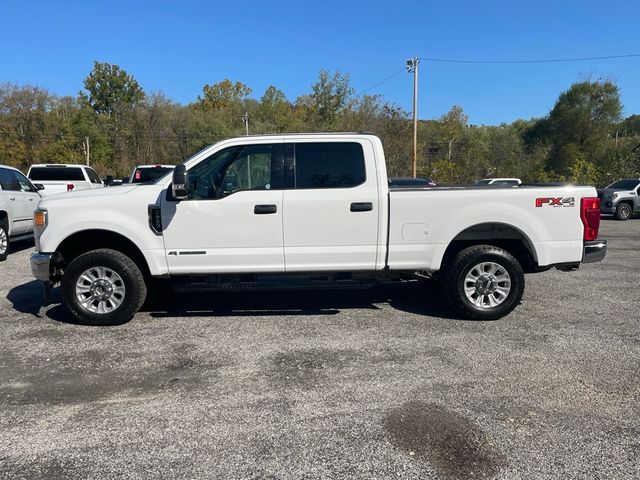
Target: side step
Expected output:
[268,282]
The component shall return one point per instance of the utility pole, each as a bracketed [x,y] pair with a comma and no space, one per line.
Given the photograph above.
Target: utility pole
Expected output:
[245,119]
[86,149]
[412,67]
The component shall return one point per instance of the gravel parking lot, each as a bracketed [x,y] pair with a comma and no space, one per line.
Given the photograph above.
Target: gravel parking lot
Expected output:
[385,383]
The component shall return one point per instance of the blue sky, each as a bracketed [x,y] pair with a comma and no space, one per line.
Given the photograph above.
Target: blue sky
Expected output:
[177,47]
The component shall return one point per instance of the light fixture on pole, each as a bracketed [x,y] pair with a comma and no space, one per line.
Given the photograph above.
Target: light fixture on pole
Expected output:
[412,67]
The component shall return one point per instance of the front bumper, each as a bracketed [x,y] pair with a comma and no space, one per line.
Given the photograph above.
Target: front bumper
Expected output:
[608,207]
[41,266]
[594,251]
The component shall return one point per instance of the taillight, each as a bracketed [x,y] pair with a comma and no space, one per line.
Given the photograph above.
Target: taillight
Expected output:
[70,187]
[590,215]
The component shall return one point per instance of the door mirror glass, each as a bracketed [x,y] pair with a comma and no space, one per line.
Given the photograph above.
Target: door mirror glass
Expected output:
[179,187]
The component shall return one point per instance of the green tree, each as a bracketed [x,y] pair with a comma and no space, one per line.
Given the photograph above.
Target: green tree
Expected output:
[111,90]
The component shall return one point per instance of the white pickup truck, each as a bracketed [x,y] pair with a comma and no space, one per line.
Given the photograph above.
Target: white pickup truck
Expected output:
[59,178]
[306,210]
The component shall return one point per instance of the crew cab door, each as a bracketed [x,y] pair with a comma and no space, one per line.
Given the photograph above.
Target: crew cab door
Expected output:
[22,199]
[331,206]
[232,219]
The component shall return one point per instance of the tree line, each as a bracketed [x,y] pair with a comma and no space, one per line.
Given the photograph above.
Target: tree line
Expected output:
[114,124]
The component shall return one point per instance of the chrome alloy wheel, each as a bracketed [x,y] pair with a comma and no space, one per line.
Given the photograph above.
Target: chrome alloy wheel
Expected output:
[100,290]
[4,244]
[487,285]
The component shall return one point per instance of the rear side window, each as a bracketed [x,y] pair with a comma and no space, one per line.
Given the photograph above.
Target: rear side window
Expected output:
[329,165]
[8,181]
[61,174]
[149,174]
[93,176]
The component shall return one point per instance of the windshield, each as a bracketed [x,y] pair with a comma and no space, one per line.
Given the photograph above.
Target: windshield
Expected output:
[625,184]
[149,174]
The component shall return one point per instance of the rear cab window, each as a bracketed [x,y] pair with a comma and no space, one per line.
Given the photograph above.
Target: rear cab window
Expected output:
[149,174]
[57,174]
[329,165]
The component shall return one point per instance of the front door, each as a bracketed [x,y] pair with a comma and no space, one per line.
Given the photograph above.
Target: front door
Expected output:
[23,200]
[232,220]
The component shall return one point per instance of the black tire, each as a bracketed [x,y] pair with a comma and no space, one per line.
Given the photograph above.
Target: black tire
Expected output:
[134,287]
[4,241]
[464,263]
[623,212]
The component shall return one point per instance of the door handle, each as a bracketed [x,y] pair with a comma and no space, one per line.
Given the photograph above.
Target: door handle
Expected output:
[361,207]
[264,209]
[31,199]
[12,199]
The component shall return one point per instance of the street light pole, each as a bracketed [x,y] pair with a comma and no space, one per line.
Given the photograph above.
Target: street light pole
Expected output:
[412,67]
[245,119]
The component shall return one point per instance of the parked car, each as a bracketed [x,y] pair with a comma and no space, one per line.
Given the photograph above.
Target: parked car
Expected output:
[59,178]
[311,210]
[149,173]
[499,181]
[18,199]
[411,182]
[621,198]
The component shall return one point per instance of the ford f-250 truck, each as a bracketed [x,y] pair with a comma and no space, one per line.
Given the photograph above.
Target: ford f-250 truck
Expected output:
[305,210]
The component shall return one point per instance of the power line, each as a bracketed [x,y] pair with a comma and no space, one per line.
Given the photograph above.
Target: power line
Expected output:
[551,60]
[380,82]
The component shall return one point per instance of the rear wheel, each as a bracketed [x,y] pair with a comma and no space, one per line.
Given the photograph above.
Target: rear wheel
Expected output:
[4,241]
[623,211]
[103,287]
[484,282]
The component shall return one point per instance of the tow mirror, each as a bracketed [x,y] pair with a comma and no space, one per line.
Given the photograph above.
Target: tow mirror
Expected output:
[180,183]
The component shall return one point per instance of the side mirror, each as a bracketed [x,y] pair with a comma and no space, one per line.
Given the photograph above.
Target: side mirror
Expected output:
[179,187]
[109,180]
[38,186]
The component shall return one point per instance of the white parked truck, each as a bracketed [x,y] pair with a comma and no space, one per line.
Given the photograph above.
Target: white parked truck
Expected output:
[306,210]
[60,178]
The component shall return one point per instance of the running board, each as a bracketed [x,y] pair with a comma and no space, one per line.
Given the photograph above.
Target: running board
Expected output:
[268,282]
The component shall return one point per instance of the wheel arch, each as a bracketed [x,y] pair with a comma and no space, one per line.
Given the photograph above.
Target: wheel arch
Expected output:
[86,240]
[501,235]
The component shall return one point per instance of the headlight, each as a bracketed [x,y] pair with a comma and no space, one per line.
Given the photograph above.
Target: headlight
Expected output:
[40,222]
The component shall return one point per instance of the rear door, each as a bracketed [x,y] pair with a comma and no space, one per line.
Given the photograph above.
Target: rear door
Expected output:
[331,207]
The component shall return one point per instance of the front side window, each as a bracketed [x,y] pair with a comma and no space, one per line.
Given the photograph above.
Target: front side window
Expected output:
[8,181]
[93,176]
[329,165]
[25,184]
[249,167]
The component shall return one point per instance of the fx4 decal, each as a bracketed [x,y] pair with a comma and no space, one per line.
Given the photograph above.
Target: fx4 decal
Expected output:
[556,201]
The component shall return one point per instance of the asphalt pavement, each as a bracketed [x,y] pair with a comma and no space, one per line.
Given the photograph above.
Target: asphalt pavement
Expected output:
[381,383]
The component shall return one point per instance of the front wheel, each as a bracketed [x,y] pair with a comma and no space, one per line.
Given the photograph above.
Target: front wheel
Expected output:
[4,242]
[103,287]
[623,211]
[484,282]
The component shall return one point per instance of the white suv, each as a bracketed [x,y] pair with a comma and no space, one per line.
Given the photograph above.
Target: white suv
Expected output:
[18,199]
[59,178]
